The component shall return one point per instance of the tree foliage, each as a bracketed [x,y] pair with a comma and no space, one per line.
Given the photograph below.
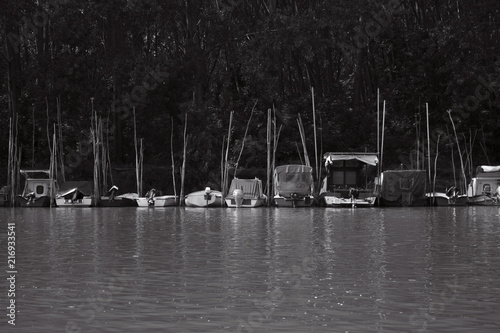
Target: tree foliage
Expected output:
[206,58]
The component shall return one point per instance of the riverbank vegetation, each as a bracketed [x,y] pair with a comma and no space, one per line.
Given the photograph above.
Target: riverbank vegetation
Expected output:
[207,58]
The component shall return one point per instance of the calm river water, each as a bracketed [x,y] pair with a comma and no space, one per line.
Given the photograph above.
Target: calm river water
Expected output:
[254,270]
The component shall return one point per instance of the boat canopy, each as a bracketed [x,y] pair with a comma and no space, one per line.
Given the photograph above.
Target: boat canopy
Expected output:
[86,188]
[293,178]
[250,187]
[488,171]
[368,158]
[34,173]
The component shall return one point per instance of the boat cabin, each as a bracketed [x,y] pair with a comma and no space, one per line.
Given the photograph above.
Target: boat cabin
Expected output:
[36,185]
[348,171]
[486,182]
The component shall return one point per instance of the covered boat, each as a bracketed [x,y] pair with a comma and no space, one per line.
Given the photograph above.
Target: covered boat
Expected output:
[122,200]
[350,180]
[245,193]
[75,194]
[293,186]
[403,188]
[484,188]
[39,189]
[206,198]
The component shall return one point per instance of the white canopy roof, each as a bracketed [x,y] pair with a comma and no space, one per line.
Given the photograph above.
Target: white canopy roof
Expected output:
[488,171]
[368,158]
[488,168]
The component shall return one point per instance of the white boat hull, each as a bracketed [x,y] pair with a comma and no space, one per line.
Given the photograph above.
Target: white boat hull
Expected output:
[333,201]
[483,200]
[281,201]
[202,199]
[165,201]
[144,202]
[245,202]
[441,199]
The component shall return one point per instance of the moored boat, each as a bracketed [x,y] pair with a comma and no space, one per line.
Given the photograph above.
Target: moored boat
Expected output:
[206,198]
[245,193]
[122,200]
[403,188]
[347,182]
[75,194]
[38,190]
[151,200]
[484,188]
[450,198]
[293,186]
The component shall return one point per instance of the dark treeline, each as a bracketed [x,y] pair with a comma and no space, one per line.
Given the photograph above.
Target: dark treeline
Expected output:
[206,58]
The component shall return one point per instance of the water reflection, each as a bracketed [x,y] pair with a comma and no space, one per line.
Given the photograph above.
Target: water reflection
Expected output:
[257,270]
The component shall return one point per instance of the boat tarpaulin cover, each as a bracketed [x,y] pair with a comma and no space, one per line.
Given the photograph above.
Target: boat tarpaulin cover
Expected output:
[250,187]
[403,185]
[68,188]
[368,158]
[293,178]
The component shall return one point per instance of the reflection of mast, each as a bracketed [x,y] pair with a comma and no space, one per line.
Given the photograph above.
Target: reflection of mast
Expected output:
[379,264]
[139,235]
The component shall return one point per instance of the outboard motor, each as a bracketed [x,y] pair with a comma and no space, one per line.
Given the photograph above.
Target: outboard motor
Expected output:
[112,192]
[238,197]
[150,196]
[30,197]
[207,193]
[452,192]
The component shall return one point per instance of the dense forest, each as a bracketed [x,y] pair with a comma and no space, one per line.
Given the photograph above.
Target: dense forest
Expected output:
[168,61]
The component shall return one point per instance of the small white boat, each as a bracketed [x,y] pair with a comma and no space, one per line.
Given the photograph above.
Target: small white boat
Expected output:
[484,189]
[245,193]
[450,198]
[293,186]
[206,198]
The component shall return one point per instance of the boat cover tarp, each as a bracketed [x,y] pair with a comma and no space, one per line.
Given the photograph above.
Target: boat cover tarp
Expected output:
[368,158]
[290,179]
[400,185]
[130,195]
[488,171]
[69,188]
[250,187]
